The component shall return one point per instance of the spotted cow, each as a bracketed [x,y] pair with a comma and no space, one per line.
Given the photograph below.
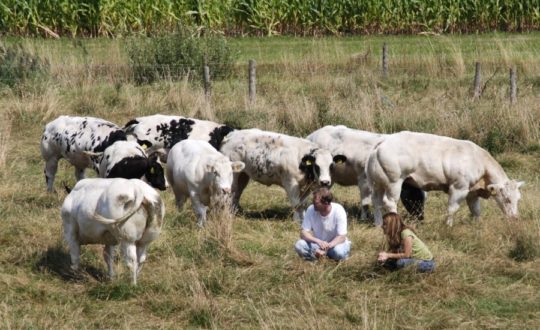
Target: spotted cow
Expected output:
[72,138]
[296,164]
[159,133]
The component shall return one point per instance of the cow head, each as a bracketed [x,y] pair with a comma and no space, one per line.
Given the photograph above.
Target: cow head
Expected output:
[222,175]
[507,196]
[317,165]
[155,175]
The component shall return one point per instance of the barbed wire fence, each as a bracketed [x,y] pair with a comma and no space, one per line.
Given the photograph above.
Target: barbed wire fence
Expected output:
[145,73]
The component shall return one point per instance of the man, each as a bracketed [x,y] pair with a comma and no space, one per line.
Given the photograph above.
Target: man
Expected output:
[324,229]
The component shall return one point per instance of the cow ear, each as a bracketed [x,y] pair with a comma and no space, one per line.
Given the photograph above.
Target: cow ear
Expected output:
[519,184]
[238,166]
[308,160]
[340,159]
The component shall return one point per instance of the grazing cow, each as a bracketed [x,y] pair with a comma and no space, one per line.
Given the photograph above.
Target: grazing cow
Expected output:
[198,170]
[160,132]
[356,145]
[460,168]
[112,212]
[295,164]
[72,138]
[127,159]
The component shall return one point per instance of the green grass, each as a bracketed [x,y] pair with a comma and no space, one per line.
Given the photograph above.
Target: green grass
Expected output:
[487,273]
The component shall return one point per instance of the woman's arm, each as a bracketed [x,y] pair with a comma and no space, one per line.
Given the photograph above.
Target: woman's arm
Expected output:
[407,251]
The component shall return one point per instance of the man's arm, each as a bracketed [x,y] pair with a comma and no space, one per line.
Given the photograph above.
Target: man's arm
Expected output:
[308,236]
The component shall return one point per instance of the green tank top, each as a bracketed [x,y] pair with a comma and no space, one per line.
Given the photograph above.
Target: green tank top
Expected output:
[419,249]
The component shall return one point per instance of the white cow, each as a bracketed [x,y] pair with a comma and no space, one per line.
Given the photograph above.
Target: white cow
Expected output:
[72,138]
[161,132]
[296,164]
[198,170]
[356,145]
[430,162]
[111,212]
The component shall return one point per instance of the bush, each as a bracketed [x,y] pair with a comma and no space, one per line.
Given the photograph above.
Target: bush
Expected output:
[177,56]
[19,67]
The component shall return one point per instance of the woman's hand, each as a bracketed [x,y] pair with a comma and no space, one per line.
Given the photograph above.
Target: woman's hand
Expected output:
[383,256]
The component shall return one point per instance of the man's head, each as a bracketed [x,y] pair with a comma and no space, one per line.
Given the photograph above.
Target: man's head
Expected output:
[322,200]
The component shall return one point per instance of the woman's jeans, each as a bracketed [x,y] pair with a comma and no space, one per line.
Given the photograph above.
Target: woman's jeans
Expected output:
[307,250]
[422,266]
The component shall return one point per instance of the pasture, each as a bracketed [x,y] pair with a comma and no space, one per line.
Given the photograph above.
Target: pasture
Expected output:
[242,272]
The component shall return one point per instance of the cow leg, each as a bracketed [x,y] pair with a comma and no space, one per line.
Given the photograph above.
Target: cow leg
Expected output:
[198,208]
[377,199]
[108,255]
[51,166]
[293,193]
[79,173]
[365,198]
[130,256]
[240,182]
[70,236]
[141,255]
[473,201]
[391,197]
[180,200]
[455,197]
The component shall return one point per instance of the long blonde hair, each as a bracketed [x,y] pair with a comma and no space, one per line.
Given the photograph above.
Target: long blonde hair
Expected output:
[393,226]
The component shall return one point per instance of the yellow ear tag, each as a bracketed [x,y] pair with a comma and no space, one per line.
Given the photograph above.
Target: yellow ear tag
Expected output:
[144,146]
[493,192]
[308,162]
[152,170]
[339,161]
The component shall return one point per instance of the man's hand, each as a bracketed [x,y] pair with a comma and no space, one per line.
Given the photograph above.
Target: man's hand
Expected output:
[324,245]
[320,253]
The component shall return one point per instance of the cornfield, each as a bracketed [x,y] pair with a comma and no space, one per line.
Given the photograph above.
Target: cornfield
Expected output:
[265,17]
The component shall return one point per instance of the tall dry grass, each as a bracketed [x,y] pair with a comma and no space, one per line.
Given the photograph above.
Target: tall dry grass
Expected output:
[241,271]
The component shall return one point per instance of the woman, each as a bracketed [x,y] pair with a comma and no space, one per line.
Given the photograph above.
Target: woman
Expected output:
[405,247]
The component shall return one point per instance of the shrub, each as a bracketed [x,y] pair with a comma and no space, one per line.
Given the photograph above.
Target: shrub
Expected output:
[18,66]
[178,55]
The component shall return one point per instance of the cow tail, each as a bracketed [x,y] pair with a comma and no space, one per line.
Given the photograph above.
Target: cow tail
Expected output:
[139,198]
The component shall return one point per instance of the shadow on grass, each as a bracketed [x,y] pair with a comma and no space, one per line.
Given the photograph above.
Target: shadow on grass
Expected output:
[57,261]
[275,213]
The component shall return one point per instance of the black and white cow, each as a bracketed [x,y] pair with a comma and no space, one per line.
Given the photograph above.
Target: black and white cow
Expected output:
[127,159]
[357,145]
[296,164]
[72,138]
[159,133]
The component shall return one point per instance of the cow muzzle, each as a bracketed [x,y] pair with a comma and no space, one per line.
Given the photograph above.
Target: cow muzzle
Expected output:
[325,183]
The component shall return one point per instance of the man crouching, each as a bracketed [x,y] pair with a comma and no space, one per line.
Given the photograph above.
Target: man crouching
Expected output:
[324,229]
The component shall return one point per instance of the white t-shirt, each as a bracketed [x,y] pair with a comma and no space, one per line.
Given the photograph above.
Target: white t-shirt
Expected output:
[328,227]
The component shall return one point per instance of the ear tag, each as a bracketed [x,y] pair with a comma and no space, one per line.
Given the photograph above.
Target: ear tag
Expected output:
[493,192]
[339,161]
[308,162]
[152,170]
[144,146]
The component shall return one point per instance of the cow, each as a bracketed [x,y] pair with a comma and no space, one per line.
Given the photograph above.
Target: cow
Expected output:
[112,212]
[72,138]
[297,165]
[356,145]
[460,168]
[127,159]
[159,133]
[198,170]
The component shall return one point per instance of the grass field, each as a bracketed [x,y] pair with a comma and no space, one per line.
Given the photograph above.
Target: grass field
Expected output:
[242,272]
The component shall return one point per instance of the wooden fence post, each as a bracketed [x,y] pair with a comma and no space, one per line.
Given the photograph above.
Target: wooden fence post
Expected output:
[477,78]
[207,87]
[385,60]
[252,81]
[513,85]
